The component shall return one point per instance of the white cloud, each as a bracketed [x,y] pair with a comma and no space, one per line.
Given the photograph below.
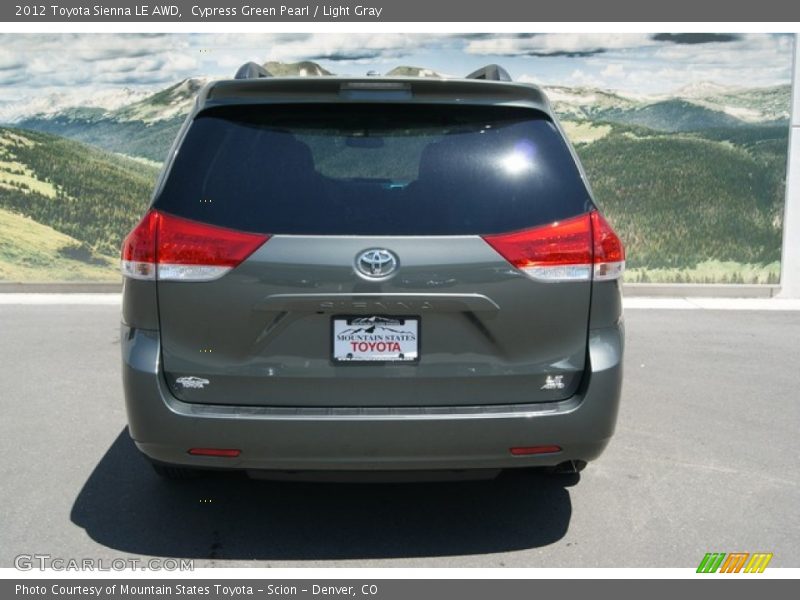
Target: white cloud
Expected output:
[79,59]
[613,71]
[578,77]
[348,47]
[750,60]
[555,44]
[9,60]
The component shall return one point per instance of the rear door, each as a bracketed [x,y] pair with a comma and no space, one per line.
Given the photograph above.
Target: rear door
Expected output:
[385,255]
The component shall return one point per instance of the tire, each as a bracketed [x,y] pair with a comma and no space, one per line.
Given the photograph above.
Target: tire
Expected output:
[569,467]
[174,472]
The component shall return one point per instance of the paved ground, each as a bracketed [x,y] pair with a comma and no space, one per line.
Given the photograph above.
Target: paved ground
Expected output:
[705,459]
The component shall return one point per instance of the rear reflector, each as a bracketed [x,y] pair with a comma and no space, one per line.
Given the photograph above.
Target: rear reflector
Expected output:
[166,247]
[574,249]
[224,452]
[528,450]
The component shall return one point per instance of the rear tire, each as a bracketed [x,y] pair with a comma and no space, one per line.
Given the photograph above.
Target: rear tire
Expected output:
[568,467]
[174,472]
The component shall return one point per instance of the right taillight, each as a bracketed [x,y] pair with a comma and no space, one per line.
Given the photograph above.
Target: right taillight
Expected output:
[575,249]
[609,253]
[166,247]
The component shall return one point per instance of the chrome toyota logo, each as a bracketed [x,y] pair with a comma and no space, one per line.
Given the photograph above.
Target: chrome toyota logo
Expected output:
[376,263]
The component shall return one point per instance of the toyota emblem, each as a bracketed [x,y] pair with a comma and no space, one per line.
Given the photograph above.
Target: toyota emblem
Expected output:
[376,263]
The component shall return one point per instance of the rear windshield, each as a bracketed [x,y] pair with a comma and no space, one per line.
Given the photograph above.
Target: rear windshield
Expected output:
[373,170]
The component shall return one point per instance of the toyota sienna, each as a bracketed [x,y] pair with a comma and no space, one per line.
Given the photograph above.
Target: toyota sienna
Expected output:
[390,276]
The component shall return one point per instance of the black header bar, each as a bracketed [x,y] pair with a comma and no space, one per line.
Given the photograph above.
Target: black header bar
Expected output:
[467,11]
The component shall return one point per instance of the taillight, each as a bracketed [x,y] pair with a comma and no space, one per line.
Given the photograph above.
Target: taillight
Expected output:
[609,253]
[560,251]
[167,247]
[575,249]
[139,249]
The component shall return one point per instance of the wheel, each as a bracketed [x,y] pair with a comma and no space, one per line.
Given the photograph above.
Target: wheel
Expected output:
[568,467]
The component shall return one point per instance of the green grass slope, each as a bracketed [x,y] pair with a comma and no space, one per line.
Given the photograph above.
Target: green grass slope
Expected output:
[30,251]
[90,196]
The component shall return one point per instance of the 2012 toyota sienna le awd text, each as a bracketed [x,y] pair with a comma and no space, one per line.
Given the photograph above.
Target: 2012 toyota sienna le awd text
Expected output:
[371,276]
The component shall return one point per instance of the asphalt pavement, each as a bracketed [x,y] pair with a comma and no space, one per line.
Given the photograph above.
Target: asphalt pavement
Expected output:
[705,459]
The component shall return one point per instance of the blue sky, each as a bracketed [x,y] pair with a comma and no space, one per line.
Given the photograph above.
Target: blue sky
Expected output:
[83,65]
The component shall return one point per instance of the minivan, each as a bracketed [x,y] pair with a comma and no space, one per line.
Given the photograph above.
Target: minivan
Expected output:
[371,277]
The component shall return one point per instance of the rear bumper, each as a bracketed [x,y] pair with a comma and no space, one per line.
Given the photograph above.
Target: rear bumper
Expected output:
[314,439]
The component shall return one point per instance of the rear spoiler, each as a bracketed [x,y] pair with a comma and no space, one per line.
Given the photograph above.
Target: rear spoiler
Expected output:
[493,72]
[488,86]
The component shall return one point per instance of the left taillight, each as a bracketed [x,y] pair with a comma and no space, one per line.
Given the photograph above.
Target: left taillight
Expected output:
[166,247]
[139,249]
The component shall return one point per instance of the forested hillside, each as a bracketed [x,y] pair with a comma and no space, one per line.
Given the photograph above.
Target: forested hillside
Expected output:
[681,200]
[87,194]
[134,138]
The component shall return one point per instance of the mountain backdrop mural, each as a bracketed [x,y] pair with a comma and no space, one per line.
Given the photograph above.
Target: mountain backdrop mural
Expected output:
[692,179]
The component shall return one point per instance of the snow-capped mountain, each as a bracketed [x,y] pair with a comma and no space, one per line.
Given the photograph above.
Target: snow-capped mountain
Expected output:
[699,105]
[126,104]
[174,101]
[753,104]
[705,89]
[56,103]
[304,68]
[407,71]
[586,102]
[143,124]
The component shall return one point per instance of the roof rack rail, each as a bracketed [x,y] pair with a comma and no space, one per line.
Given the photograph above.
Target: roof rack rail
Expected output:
[251,70]
[490,72]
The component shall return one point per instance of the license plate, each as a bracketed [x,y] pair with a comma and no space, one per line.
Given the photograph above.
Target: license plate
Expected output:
[375,339]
